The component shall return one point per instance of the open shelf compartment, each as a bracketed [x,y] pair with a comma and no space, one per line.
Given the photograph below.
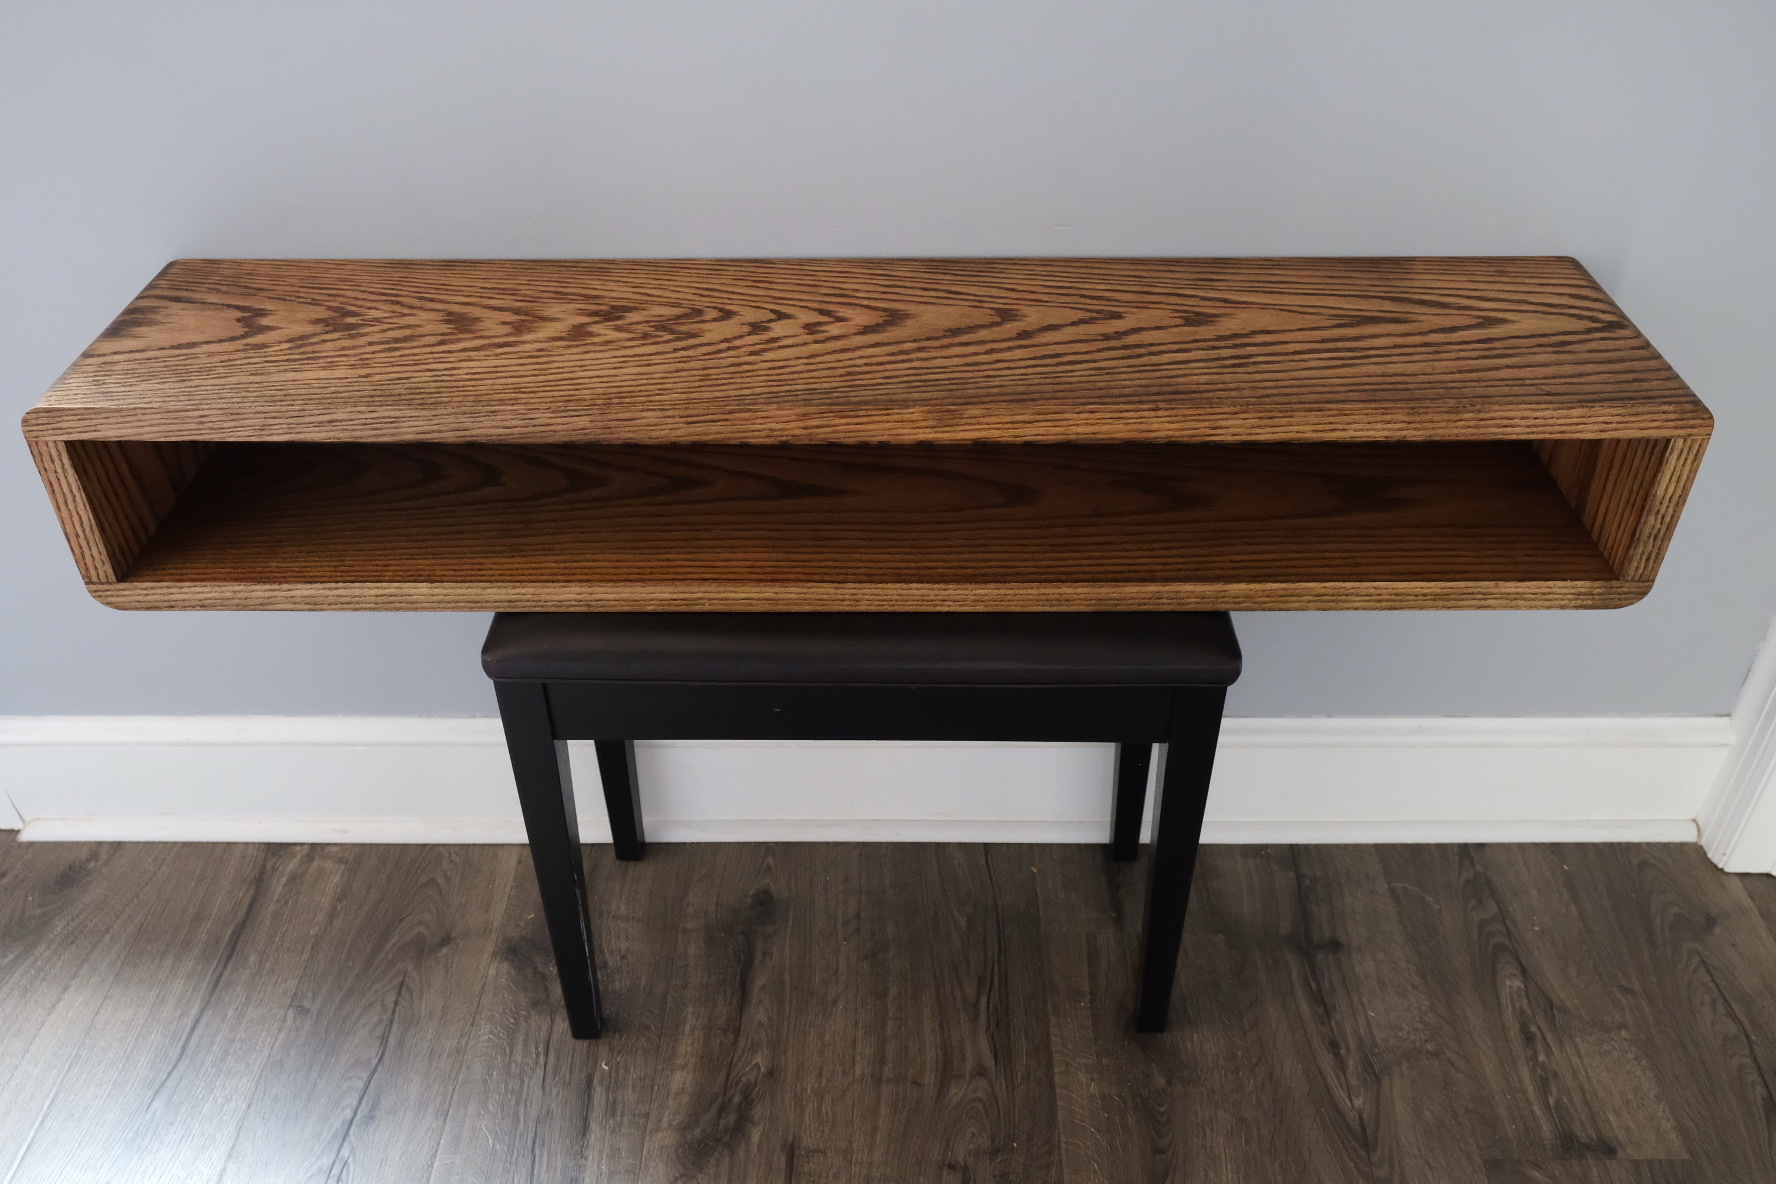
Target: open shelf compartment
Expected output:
[475,526]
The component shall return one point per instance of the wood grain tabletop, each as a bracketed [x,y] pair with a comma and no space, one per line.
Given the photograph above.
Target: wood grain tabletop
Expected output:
[871,350]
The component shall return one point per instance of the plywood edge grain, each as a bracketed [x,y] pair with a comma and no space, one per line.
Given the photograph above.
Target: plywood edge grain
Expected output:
[803,597]
[111,494]
[80,526]
[1628,492]
[1204,421]
[1658,519]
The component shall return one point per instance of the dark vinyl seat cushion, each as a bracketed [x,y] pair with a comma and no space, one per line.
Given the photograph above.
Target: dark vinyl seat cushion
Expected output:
[1032,649]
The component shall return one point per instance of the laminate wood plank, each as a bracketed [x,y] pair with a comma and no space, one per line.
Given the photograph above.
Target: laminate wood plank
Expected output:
[942,1072]
[1595,1171]
[975,526]
[1549,1080]
[958,1058]
[1620,1086]
[1760,889]
[1448,916]
[1360,991]
[1257,1048]
[188,1022]
[1150,1108]
[771,987]
[357,1086]
[829,350]
[829,1100]
[1370,1093]
[732,1001]
[68,912]
[1298,996]
[1685,946]
[531,1103]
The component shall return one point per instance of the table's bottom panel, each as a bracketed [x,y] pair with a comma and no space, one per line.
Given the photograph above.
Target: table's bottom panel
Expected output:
[494,597]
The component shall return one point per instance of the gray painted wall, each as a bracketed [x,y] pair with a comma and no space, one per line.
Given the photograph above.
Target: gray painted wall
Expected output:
[1638,136]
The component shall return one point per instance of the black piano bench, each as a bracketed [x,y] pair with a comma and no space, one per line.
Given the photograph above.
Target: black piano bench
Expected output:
[1134,679]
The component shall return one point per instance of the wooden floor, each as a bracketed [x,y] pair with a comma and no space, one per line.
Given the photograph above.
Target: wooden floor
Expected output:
[886,1013]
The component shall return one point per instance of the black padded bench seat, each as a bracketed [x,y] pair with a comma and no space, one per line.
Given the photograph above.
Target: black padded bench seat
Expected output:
[1131,679]
[1005,649]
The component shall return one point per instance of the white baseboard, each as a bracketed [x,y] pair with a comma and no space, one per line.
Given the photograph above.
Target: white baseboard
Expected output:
[826,830]
[393,780]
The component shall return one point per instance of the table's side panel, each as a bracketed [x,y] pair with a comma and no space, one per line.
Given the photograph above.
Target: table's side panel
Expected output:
[1670,489]
[76,513]
[110,494]
[1628,492]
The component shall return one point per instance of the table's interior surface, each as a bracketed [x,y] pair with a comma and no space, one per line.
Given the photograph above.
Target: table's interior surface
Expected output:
[456,513]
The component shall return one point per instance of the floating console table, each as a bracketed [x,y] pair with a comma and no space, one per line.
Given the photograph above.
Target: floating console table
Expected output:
[941,434]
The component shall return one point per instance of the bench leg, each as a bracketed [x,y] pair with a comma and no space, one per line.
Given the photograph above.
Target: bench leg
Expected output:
[1190,758]
[622,799]
[545,794]
[1132,762]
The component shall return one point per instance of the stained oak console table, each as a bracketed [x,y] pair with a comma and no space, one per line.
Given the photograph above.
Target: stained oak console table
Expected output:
[1023,435]
[944,434]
